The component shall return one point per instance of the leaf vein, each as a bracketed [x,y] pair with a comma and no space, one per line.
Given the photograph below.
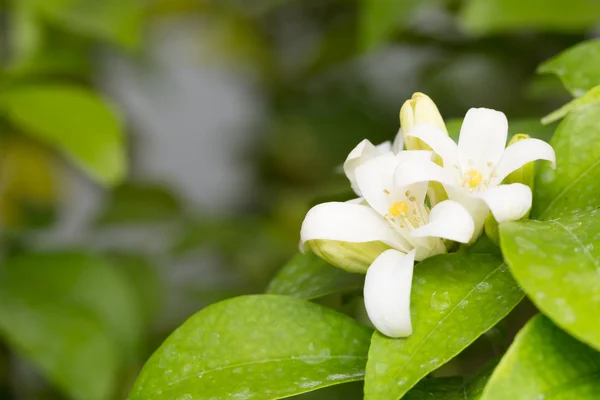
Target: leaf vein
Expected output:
[469,293]
[268,360]
[585,249]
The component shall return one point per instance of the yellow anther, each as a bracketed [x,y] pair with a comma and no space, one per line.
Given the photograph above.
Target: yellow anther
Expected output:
[473,178]
[398,208]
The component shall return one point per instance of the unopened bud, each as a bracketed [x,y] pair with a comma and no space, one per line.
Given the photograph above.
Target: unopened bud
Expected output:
[420,109]
[351,257]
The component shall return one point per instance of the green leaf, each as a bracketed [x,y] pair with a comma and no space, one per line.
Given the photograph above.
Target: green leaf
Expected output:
[557,263]
[578,67]
[448,295]
[379,19]
[139,203]
[73,316]
[545,363]
[451,388]
[592,96]
[263,347]
[115,21]
[75,121]
[307,276]
[573,186]
[491,16]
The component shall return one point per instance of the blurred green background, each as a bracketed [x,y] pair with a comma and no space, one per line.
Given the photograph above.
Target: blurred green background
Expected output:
[157,156]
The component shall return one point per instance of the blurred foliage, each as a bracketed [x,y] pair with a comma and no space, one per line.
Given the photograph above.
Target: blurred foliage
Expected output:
[330,72]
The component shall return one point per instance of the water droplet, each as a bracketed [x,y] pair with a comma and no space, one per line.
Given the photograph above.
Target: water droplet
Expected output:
[381,368]
[483,287]
[306,385]
[526,243]
[463,303]
[440,301]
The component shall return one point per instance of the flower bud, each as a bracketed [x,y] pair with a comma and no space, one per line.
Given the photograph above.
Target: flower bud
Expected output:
[420,109]
[351,257]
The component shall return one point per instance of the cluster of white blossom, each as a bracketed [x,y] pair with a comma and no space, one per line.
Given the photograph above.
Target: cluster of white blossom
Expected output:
[415,203]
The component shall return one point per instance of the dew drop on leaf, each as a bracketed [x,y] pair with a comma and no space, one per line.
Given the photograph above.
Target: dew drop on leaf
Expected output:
[440,301]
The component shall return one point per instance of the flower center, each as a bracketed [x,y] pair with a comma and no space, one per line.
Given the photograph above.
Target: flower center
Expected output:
[472,178]
[398,208]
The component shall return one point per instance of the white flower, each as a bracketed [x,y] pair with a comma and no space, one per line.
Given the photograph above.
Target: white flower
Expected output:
[396,216]
[366,151]
[473,170]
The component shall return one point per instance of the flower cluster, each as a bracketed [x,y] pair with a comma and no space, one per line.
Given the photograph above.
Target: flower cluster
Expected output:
[415,203]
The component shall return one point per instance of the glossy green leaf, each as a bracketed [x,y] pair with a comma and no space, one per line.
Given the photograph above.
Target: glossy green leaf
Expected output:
[263,347]
[73,316]
[573,186]
[115,21]
[490,16]
[592,96]
[451,388]
[448,295]
[308,277]
[545,363]
[578,67]
[557,263]
[75,121]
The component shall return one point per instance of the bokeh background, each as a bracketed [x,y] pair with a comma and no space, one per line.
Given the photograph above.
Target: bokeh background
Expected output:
[157,156]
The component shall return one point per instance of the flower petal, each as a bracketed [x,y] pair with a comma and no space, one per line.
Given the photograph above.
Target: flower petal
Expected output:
[474,204]
[439,141]
[448,220]
[520,153]
[482,140]
[375,181]
[508,202]
[412,171]
[362,153]
[398,144]
[387,293]
[348,222]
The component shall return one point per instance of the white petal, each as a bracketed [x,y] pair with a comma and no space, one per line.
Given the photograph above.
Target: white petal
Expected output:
[508,202]
[473,203]
[384,147]
[439,141]
[358,200]
[448,220]
[348,222]
[387,293]
[520,153]
[482,140]
[364,151]
[375,181]
[411,172]
[398,144]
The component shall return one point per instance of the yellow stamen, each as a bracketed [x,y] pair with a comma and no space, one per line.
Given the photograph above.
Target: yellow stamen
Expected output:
[473,178]
[398,208]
